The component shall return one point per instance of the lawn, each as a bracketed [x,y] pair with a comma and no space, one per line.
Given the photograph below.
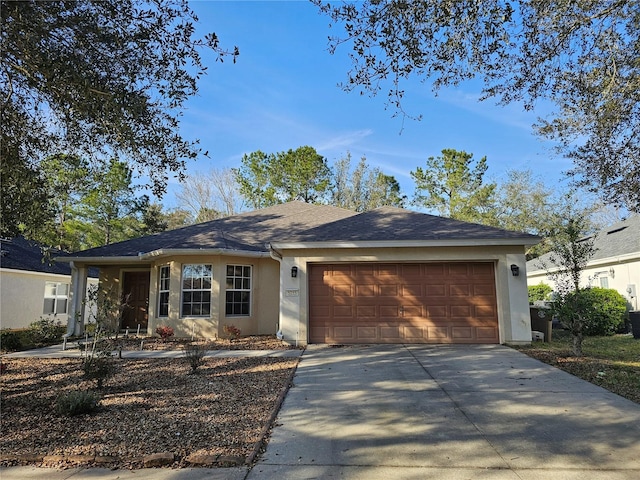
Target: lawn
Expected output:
[611,362]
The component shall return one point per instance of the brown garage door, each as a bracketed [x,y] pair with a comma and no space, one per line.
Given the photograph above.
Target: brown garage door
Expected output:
[403,303]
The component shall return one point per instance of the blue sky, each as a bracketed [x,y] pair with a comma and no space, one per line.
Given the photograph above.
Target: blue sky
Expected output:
[283,93]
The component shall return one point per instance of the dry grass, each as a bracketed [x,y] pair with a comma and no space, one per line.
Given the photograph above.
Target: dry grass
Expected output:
[148,406]
[611,362]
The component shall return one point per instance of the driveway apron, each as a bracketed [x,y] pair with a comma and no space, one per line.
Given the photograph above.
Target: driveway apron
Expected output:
[447,412]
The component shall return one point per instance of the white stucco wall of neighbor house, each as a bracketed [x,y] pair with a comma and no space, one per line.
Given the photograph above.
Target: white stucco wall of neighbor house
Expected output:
[22,297]
[512,301]
[621,273]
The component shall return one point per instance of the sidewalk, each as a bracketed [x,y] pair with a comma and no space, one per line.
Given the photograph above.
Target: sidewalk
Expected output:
[56,351]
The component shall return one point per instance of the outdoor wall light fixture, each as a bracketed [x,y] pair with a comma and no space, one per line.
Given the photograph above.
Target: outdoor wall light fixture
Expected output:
[294,272]
[515,270]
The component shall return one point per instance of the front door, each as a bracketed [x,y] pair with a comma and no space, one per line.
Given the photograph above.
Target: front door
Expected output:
[136,299]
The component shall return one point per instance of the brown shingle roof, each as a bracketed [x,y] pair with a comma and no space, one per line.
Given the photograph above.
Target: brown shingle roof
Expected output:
[302,222]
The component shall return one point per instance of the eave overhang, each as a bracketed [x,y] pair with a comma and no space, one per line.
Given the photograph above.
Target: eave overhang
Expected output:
[148,257]
[524,241]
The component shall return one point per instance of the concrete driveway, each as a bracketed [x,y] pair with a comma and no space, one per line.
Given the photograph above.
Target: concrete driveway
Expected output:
[447,412]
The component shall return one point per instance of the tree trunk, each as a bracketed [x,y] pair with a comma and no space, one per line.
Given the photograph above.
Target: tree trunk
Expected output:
[577,338]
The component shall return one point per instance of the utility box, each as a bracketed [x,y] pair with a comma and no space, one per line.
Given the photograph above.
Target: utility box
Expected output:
[634,317]
[541,321]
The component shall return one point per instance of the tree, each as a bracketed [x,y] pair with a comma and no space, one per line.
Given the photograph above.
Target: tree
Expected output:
[270,179]
[450,186]
[24,201]
[579,55]
[67,178]
[362,189]
[110,211]
[571,251]
[98,79]
[211,195]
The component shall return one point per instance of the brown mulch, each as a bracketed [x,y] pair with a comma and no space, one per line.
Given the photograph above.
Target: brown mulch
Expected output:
[149,406]
[250,342]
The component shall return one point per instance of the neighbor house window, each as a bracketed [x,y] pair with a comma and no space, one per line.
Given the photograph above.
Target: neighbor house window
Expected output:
[196,290]
[56,298]
[163,291]
[238,290]
[604,282]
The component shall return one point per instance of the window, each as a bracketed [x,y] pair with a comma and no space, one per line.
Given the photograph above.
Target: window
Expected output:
[163,291]
[56,297]
[604,282]
[196,290]
[238,298]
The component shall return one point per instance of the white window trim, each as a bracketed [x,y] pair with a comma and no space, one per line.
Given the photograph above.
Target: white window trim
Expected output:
[56,297]
[161,290]
[183,290]
[249,290]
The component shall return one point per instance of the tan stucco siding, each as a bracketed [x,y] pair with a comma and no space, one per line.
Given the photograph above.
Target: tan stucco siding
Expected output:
[264,311]
[512,300]
[22,297]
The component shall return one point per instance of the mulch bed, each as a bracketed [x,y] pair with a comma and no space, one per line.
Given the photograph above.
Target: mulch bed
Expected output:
[215,417]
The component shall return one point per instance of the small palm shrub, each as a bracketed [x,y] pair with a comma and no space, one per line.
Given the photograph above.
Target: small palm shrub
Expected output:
[77,402]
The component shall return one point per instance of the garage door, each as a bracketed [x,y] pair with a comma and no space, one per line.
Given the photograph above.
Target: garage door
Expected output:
[403,303]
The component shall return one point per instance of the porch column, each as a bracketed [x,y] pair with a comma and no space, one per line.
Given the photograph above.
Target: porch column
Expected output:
[75,322]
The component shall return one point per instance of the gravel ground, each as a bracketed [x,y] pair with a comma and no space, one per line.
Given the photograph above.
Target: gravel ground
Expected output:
[149,406]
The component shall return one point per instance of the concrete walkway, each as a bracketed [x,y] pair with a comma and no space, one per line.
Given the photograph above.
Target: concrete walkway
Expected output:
[56,351]
[429,412]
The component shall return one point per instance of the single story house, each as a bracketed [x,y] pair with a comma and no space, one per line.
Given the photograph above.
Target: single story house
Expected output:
[321,274]
[32,288]
[615,264]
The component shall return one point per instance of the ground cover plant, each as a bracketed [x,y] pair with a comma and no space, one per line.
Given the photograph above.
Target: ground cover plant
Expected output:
[612,362]
[148,406]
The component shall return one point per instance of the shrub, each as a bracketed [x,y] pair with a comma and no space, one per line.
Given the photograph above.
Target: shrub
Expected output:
[45,331]
[603,312]
[98,365]
[77,402]
[539,293]
[164,331]
[232,331]
[195,355]
[10,341]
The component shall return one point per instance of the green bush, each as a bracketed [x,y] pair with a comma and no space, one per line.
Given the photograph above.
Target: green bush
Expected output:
[77,402]
[10,340]
[46,331]
[538,293]
[604,311]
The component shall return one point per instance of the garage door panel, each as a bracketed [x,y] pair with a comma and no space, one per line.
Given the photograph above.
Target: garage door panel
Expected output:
[460,311]
[388,290]
[389,311]
[403,303]
[365,311]
[463,333]
[366,290]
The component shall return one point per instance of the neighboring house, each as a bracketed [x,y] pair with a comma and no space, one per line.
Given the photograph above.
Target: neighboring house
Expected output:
[30,287]
[321,274]
[615,264]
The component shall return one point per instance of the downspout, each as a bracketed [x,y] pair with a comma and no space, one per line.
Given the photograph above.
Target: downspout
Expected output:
[277,256]
[71,319]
